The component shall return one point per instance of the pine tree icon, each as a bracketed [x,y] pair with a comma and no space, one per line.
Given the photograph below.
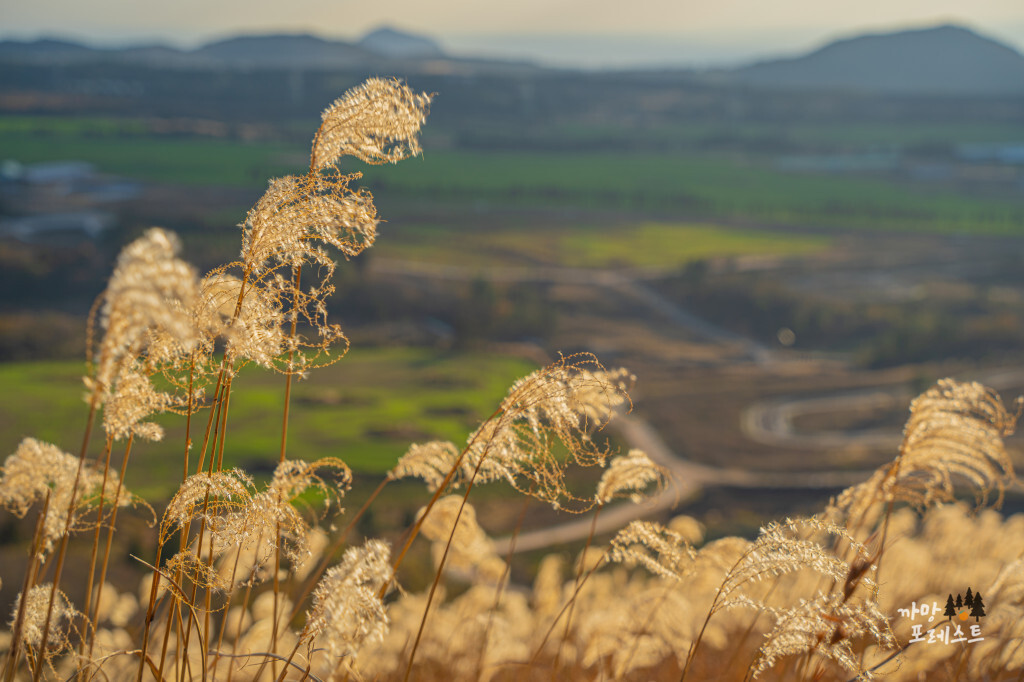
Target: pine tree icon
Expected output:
[969,599]
[959,602]
[950,608]
[978,607]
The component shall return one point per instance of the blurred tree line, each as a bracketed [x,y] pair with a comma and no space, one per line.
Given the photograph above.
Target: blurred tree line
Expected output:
[877,333]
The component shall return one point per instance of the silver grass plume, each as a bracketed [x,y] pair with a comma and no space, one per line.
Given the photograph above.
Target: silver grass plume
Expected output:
[269,519]
[298,217]
[135,400]
[827,625]
[628,476]
[346,612]
[429,461]
[661,551]
[376,122]
[150,295]
[954,433]
[559,406]
[37,469]
[61,619]
[218,493]
[253,331]
[299,214]
[784,548]
[148,326]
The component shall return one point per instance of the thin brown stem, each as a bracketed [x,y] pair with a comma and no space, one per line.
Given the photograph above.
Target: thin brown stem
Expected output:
[414,531]
[305,672]
[297,270]
[579,574]
[238,632]
[440,564]
[284,671]
[707,619]
[30,577]
[219,435]
[188,412]
[150,613]
[291,360]
[108,449]
[498,593]
[110,539]
[325,562]
[65,536]
[565,607]
[226,608]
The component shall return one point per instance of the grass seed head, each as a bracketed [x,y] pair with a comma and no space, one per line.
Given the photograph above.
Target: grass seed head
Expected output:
[377,122]
[628,476]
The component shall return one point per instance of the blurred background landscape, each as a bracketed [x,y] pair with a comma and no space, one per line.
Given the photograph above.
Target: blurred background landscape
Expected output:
[784,249]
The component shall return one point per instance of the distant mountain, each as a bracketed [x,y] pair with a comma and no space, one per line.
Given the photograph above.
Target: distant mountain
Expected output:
[385,50]
[253,51]
[940,60]
[389,42]
[945,60]
[285,51]
[42,50]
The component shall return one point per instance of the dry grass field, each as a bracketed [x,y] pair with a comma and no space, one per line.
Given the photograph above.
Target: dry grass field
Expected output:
[283,577]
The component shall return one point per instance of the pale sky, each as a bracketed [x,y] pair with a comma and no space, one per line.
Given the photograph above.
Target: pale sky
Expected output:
[704,30]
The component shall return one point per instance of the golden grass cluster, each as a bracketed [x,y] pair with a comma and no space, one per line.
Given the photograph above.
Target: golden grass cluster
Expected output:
[246,583]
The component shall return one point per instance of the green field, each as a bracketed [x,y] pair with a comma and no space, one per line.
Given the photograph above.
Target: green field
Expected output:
[366,410]
[834,135]
[644,245]
[122,147]
[698,185]
[701,185]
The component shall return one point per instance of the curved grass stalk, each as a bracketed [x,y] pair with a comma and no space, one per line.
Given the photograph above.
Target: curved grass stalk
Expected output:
[284,446]
[565,607]
[110,539]
[501,589]
[579,574]
[30,576]
[90,618]
[441,488]
[711,612]
[444,555]
[65,536]
[315,576]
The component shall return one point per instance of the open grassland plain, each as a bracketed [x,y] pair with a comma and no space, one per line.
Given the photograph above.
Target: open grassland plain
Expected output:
[365,409]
